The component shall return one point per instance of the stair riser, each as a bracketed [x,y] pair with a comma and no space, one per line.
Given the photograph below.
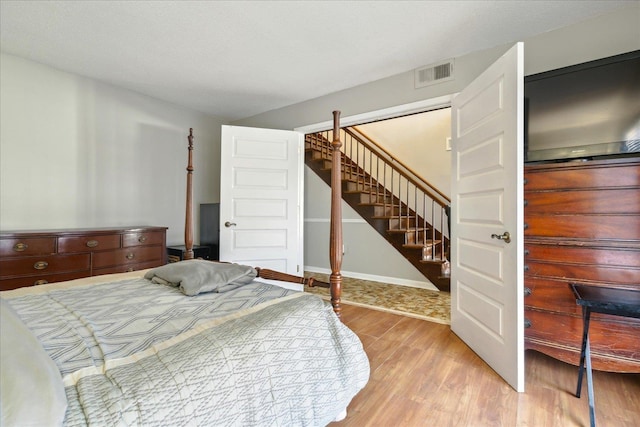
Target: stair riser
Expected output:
[402,223]
[431,253]
[366,198]
[361,186]
[386,211]
[416,238]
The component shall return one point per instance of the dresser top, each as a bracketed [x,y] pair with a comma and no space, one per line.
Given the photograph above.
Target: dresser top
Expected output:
[73,231]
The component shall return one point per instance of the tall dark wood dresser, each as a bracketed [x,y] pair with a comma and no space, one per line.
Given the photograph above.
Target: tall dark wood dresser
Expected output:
[582,224]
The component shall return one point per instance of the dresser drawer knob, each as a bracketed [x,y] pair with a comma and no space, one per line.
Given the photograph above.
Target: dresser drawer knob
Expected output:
[129,270]
[527,323]
[129,256]
[526,202]
[142,239]
[20,247]
[41,265]
[527,291]
[40,282]
[92,243]
[526,267]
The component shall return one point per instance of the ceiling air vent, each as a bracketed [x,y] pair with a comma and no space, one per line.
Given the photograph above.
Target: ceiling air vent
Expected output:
[434,73]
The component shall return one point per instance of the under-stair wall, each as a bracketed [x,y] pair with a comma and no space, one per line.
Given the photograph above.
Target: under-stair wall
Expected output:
[368,255]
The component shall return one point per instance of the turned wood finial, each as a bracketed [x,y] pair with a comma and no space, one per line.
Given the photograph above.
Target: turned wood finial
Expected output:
[188,222]
[335,233]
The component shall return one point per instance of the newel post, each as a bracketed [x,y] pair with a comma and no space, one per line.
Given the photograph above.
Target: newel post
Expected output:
[335,234]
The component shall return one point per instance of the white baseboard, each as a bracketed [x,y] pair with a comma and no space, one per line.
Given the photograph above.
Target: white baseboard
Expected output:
[382,279]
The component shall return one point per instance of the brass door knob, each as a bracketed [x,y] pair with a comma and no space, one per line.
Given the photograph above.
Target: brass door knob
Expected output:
[506,237]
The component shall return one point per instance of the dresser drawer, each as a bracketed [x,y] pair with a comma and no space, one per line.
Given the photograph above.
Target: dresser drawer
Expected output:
[143,238]
[598,201]
[610,335]
[27,246]
[88,243]
[583,272]
[19,282]
[132,255]
[127,268]
[551,295]
[586,227]
[585,176]
[41,265]
[613,256]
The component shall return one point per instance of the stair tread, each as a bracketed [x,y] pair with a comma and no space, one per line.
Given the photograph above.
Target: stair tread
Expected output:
[420,245]
[405,230]
[363,192]
[433,261]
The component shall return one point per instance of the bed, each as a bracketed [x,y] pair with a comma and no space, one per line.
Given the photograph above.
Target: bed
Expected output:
[189,343]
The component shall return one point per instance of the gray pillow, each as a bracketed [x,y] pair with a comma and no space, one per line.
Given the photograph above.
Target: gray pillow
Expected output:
[30,383]
[197,276]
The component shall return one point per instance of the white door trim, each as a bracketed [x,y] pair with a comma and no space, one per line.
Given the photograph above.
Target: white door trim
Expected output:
[386,113]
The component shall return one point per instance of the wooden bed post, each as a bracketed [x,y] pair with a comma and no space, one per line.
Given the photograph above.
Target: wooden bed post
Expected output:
[335,234]
[188,220]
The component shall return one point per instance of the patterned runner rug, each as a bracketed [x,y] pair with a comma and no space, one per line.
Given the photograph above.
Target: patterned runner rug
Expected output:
[424,304]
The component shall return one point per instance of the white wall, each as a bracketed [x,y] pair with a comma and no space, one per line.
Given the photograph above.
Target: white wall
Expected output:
[606,35]
[418,141]
[75,152]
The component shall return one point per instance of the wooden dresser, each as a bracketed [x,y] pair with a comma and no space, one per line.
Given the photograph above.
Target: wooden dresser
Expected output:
[582,223]
[30,258]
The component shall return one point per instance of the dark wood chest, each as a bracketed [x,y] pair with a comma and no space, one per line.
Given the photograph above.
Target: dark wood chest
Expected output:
[582,225]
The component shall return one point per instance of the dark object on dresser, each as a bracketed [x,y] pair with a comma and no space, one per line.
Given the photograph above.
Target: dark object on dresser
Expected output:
[37,257]
[582,225]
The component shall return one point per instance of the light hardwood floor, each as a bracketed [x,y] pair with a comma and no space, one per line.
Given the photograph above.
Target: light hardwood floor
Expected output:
[422,374]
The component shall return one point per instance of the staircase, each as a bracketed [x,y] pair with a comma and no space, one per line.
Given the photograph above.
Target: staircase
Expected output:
[409,213]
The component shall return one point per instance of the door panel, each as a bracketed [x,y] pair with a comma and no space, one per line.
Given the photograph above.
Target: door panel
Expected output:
[487,309]
[261,187]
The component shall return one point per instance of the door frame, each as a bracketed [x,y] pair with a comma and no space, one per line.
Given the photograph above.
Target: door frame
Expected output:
[385,113]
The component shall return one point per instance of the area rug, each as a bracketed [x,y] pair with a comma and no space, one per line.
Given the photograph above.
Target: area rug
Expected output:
[423,304]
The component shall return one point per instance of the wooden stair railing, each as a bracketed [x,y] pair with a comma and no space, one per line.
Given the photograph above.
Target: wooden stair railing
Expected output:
[409,213]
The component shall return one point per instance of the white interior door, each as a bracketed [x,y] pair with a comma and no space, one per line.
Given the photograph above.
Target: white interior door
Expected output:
[487,306]
[261,198]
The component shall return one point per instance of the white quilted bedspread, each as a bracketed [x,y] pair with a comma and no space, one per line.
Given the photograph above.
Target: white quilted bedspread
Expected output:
[136,353]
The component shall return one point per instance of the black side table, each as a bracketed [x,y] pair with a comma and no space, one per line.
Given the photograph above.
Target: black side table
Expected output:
[600,299]
[176,253]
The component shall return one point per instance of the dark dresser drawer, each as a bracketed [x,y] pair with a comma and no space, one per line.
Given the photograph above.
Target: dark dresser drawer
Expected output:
[126,256]
[611,336]
[88,243]
[27,246]
[142,238]
[127,268]
[20,282]
[39,265]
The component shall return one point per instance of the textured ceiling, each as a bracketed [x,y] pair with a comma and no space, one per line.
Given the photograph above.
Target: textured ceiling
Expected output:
[236,59]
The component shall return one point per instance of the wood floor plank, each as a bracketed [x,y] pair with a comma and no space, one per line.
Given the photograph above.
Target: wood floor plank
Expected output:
[424,375]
